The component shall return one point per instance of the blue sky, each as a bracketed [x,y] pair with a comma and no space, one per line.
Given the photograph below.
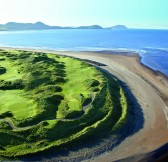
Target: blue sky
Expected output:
[132,13]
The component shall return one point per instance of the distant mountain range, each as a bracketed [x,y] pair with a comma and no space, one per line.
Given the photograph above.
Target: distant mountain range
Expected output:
[10,26]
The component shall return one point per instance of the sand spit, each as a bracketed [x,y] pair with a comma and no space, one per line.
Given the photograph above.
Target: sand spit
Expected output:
[151,92]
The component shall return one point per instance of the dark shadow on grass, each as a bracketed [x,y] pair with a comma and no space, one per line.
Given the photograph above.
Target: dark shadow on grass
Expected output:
[2,70]
[135,111]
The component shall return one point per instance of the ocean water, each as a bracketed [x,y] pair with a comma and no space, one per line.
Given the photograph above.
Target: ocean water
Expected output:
[152,45]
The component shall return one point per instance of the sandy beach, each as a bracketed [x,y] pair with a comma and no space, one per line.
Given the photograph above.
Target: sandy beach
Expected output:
[151,91]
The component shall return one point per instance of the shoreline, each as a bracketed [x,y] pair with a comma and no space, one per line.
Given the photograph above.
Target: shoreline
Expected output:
[159,86]
[155,72]
[128,53]
[128,68]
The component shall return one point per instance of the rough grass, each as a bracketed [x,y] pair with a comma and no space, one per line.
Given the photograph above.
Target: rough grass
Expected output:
[38,89]
[75,88]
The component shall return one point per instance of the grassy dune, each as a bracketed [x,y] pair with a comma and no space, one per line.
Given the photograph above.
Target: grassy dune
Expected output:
[42,99]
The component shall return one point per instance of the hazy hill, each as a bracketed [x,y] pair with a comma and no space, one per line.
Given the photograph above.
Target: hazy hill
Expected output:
[90,27]
[41,26]
[24,26]
[120,27]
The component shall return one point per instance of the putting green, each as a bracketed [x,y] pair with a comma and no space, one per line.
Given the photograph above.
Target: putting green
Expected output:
[11,73]
[16,102]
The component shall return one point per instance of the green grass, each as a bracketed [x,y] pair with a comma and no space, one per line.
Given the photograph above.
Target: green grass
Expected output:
[16,102]
[43,96]
[11,73]
[77,74]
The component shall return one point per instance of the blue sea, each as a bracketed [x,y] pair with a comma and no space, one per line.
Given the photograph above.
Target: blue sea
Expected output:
[152,45]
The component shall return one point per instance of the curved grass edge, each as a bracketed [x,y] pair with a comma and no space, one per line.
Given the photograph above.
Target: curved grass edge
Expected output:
[88,130]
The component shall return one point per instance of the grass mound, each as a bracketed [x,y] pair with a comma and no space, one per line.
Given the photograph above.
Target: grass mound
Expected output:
[51,101]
